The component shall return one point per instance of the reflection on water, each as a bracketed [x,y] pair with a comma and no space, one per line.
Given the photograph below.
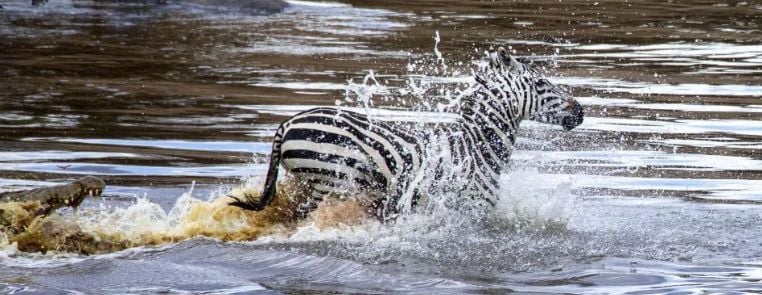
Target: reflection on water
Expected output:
[658,189]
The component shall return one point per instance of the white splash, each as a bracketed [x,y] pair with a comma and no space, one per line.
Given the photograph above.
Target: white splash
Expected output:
[363,94]
[437,52]
[529,199]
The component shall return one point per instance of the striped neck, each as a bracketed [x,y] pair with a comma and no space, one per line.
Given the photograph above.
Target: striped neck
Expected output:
[491,122]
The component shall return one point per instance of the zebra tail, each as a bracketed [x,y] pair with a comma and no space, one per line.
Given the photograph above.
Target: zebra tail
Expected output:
[270,188]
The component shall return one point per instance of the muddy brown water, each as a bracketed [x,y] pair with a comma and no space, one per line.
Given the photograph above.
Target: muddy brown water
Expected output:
[659,190]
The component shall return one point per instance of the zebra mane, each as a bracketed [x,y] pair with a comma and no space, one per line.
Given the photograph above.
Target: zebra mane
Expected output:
[499,84]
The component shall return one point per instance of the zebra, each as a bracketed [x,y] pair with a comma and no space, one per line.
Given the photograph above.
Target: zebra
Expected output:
[329,147]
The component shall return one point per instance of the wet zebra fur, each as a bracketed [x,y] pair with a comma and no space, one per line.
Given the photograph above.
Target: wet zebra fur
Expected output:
[330,149]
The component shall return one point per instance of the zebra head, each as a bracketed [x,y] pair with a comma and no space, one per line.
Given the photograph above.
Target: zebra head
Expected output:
[528,93]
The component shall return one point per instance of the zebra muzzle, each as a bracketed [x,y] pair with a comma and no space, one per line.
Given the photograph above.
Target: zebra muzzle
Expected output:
[574,119]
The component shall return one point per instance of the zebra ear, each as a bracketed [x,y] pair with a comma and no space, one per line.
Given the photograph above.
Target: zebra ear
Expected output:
[494,57]
[513,64]
[503,53]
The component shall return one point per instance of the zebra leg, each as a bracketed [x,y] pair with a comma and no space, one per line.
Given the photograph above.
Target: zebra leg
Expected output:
[269,191]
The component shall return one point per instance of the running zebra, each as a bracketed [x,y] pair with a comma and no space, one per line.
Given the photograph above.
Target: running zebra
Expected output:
[330,149]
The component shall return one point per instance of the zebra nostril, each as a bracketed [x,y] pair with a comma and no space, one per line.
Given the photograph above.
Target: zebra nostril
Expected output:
[574,119]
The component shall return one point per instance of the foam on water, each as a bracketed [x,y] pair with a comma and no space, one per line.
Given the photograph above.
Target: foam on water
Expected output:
[100,230]
[144,223]
[527,202]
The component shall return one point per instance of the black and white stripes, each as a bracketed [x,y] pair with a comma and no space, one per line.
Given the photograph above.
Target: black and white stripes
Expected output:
[333,150]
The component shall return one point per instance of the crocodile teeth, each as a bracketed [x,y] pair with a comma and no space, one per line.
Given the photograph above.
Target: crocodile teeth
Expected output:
[91,192]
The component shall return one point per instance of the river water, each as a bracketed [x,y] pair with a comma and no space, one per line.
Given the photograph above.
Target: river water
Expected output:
[659,190]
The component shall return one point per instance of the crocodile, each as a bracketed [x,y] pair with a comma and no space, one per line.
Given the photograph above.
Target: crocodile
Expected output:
[26,219]
[54,197]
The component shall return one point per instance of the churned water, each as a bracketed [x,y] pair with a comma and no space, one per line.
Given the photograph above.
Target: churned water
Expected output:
[174,105]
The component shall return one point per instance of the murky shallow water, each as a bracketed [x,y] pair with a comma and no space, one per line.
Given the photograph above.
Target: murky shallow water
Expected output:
[660,186]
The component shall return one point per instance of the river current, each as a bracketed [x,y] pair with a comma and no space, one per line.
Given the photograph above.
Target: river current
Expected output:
[175,105]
